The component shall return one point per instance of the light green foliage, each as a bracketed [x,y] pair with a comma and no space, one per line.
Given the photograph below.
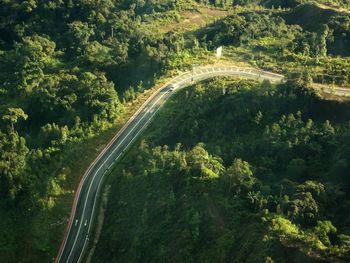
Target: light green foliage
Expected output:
[203,164]
[98,97]
[284,227]
[13,153]
[33,55]
[12,116]
[239,176]
[314,187]
[98,54]
[323,230]
[53,134]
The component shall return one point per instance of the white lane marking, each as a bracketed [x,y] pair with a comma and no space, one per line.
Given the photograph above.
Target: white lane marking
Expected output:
[346,90]
[251,74]
[77,194]
[93,210]
[81,183]
[101,179]
[93,178]
[233,70]
[182,80]
[254,74]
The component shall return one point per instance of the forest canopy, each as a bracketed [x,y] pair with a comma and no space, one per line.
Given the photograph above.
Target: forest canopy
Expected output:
[70,71]
[259,174]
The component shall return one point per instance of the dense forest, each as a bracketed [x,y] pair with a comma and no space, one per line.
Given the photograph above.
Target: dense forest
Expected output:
[69,71]
[257,174]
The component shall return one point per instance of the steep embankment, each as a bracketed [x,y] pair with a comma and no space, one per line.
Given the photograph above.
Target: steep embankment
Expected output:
[313,17]
[310,16]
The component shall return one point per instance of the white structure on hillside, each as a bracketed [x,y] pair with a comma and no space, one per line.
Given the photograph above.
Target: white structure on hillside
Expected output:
[219,52]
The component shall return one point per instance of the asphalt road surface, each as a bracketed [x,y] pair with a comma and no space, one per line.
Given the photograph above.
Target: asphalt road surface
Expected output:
[335,91]
[81,218]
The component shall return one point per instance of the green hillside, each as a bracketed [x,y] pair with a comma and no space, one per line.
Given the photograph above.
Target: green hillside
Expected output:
[259,174]
[310,16]
[73,72]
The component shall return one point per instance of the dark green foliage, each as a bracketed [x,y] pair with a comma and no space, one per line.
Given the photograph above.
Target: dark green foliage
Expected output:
[314,19]
[258,190]
[67,66]
[63,67]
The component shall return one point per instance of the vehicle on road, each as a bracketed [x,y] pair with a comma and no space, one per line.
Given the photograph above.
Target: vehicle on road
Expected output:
[171,87]
[73,244]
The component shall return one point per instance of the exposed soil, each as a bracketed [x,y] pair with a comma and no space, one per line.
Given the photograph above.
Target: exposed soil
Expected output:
[194,19]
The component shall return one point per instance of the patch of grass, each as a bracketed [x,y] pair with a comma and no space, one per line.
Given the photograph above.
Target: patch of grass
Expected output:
[192,19]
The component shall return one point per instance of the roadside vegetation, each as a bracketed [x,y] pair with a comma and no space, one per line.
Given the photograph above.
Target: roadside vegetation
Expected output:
[305,41]
[72,72]
[256,173]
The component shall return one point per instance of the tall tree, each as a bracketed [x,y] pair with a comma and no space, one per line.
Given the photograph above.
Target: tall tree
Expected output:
[12,116]
[13,152]
[240,176]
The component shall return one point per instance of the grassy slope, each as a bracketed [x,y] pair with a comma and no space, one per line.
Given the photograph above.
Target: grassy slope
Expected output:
[188,20]
[339,6]
[310,16]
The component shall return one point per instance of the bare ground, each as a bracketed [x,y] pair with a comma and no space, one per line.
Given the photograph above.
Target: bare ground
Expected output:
[192,19]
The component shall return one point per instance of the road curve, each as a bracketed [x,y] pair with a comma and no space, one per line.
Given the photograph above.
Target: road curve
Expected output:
[81,218]
[336,91]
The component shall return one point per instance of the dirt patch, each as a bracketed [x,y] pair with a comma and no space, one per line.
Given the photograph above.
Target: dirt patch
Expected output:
[335,8]
[193,19]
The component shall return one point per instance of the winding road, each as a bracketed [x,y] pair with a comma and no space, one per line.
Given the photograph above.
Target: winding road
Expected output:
[84,205]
